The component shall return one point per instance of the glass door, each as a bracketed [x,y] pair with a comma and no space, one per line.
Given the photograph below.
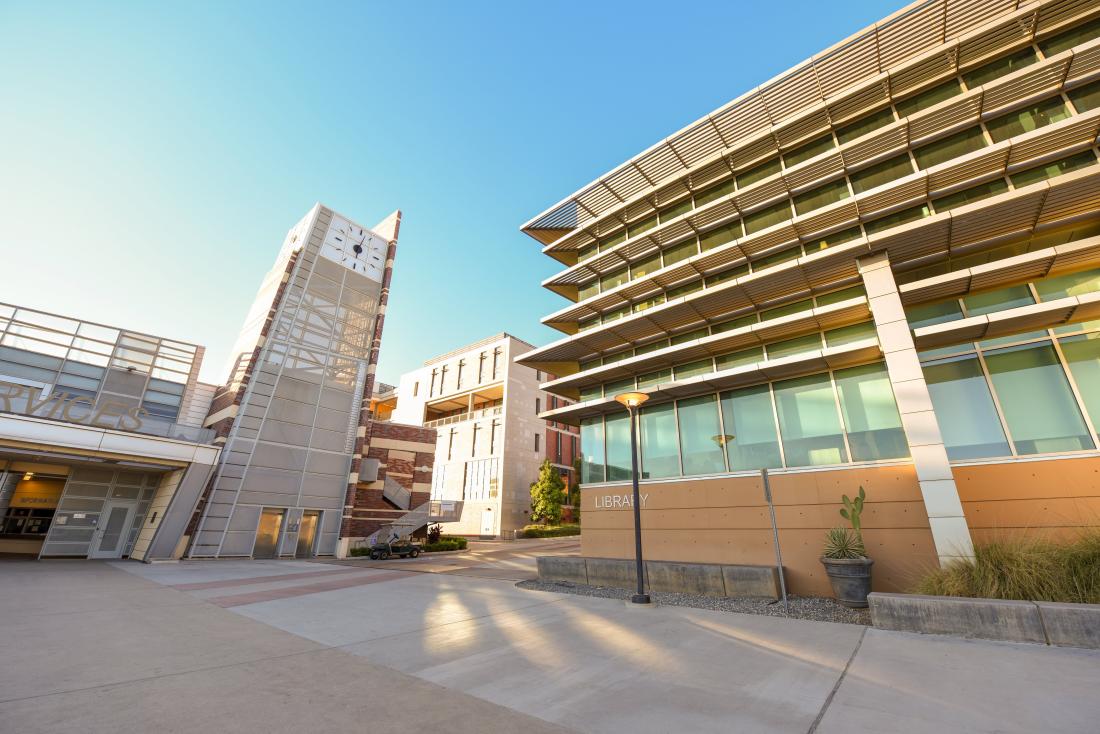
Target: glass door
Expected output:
[307,533]
[110,534]
[267,534]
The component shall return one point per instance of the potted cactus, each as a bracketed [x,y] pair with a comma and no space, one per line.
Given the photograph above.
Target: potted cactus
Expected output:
[845,558]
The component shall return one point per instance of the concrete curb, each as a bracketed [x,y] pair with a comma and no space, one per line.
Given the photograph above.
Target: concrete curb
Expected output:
[710,579]
[1046,623]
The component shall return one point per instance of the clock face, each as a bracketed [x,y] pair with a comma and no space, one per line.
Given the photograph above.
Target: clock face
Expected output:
[355,247]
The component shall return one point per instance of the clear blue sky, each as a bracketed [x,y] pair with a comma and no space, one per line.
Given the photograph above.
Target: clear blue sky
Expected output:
[154,154]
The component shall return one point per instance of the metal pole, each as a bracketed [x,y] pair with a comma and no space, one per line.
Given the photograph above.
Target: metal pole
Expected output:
[641,597]
[775,537]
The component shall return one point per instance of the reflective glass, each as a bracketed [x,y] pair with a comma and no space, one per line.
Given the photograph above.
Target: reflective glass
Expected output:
[1038,405]
[617,435]
[1083,357]
[713,194]
[700,435]
[751,438]
[809,422]
[953,146]
[964,409]
[767,217]
[870,413]
[864,125]
[822,196]
[1086,98]
[881,173]
[592,469]
[1030,118]
[739,359]
[759,173]
[928,98]
[1001,67]
[660,454]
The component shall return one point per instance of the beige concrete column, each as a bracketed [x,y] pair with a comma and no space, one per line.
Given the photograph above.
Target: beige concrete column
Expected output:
[941,497]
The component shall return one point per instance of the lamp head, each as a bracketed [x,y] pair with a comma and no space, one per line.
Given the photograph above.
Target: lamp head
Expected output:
[632,399]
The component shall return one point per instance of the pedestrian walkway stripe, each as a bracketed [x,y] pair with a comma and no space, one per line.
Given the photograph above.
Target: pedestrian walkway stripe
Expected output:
[229,583]
[236,600]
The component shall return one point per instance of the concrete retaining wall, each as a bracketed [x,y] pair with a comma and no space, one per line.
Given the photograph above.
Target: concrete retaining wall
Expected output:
[1065,625]
[709,579]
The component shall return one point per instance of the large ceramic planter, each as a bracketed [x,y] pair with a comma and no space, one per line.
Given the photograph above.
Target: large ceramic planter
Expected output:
[851,579]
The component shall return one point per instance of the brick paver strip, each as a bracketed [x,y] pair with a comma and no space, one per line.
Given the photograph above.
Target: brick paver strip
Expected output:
[225,583]
[236,600]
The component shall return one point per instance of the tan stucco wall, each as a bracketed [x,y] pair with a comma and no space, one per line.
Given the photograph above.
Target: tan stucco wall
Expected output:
[725,520]
[1050,497]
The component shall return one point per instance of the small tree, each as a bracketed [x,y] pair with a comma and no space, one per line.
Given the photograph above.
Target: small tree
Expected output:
[547,495]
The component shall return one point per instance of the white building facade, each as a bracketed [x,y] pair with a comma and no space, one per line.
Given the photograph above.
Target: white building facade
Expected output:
[490,441]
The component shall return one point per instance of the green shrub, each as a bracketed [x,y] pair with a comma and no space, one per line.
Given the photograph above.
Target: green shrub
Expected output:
[842,543]
[1025,568]
[445,543]
[550,531]
[364,551]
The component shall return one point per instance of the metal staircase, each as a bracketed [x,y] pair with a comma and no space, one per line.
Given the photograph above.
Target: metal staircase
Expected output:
[429,512]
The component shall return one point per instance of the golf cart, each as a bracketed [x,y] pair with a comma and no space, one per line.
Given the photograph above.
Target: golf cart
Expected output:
[395,546]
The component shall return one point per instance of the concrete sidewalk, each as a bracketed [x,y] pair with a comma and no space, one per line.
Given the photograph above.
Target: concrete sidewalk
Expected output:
[280,645]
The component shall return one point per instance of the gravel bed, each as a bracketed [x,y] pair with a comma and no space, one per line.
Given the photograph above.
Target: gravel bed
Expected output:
[801,607]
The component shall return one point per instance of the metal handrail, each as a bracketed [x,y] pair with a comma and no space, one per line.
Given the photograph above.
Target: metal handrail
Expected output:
[469,415]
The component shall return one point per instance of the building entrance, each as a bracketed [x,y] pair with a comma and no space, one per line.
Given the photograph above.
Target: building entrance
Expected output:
[307,534]
[108,540]
[268,533]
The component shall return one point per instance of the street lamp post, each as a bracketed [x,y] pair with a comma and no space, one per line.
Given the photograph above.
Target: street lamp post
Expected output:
[632,400]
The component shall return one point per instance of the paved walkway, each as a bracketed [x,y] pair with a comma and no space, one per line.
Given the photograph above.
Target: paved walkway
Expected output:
[290,646]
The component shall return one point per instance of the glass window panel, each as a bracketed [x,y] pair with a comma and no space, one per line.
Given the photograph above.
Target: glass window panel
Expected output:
[780,311]
[636,228]
[715,193]
[651,379]
[612,389]
[616,314]
[1035,396]
[694,369]
[998,300]
[1068,39]
[870,413]
[589,289]
[611,240]
[881,173]
[617,436]
[684,290]
[88,357]
[1000,67]
[767,217]
[964,409]
[808,151]
[85,383]
[645,267]
[933,313]
[759,173]
[822,242]
[850,334]
[588,251]
[809,422]
[700,435]
[48,321]
[660,454]
[897,219]
[718,237]
[671,212]
[102,333]
[591,392]
[864,125]
[651,347]
[689,336]
[928,98]
[787,255]
[953,146]
[31,358]
[1018,122]
[975,193]
[740,358]
[1072,284]
[732,324]
[613,358]
[1083,357]
[822,196]
[84,370]
[612,280]
[592,464]
[1086,98]
[648,303]
[751,439]
[678,253]
[844,294]
[588,323]
[162,398]
[1051,170]
[33,345]
[798,345]
[725,275]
